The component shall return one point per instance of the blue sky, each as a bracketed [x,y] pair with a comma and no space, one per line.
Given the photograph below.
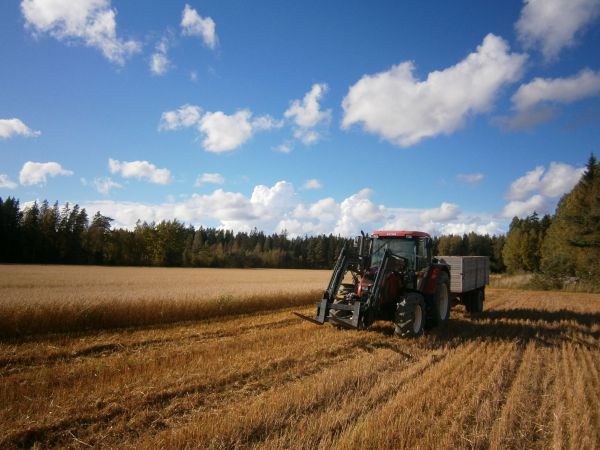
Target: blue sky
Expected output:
[313,117]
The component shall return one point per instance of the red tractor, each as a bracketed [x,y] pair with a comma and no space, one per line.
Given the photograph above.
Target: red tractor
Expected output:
[394,277]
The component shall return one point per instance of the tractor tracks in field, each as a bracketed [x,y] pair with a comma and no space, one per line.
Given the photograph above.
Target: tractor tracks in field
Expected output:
[12,365]
[195,396]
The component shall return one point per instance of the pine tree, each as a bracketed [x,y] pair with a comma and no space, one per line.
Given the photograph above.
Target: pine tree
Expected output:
[572,244]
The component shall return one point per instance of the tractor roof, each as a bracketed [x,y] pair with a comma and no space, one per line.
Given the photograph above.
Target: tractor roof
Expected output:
[383,233]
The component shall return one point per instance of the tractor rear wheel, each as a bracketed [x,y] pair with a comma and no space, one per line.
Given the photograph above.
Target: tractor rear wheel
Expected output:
[409,320]
[439,305]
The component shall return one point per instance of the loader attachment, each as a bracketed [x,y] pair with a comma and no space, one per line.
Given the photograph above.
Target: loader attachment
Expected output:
[353,312]
[322,313]
[326,303]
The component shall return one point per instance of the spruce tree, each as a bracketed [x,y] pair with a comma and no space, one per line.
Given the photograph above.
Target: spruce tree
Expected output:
[572,244]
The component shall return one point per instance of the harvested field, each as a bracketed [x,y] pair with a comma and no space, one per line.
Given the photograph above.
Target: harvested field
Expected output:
[523,374]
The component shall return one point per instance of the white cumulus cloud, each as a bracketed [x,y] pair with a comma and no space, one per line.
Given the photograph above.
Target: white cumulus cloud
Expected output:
[222,132]
[398,107]
[140,170]
[356,212]
[184,117]
[313,183]
[552,25]
[307,115]
[92,22]
[15,127]
[6,182]
[193,24]
[277,208]
[159,61]
[557,90]
[209,178]
[35,173]
[522,208]
[446,211]
[558,179]
[539,189]
[105,184]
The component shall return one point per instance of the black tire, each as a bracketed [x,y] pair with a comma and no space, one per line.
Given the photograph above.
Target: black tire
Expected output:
[440,302]
[409,320]
[477,301]
[468,301]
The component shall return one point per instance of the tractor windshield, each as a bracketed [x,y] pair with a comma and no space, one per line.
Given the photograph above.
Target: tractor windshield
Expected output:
[398,246]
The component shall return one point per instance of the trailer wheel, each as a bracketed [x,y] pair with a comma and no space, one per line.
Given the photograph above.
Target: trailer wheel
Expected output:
[469,301]
[477,301]
[409,320]
[439,305]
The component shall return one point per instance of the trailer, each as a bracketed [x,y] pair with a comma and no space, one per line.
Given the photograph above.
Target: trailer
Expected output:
[469,275]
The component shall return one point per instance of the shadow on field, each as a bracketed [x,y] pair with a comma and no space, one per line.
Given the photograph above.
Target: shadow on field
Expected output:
[547,328]
[537,315]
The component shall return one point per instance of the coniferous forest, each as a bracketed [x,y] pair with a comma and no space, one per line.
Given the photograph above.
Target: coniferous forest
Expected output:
[560,247]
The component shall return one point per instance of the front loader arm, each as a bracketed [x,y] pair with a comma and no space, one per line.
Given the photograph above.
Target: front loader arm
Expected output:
[339,271]
[374,296]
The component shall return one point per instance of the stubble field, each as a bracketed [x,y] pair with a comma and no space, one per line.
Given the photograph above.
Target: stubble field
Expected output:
[523,374]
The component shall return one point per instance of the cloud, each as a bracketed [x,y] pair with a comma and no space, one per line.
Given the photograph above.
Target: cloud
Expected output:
[554,182]
[159,61]
[105,184]
[222,132]
[15,127]
[357,211]
[552,25]
[534,102]
[209,178]
[34,173]
[470,178]
[522,208]
[446,212]
[184,117]
[491,227]
[92,22]
[313,183]
[6,182]
[140,170]
[285,147]
[277,208]
[193,24]
[539,189]
[558,90]
[403,110]
[307,115]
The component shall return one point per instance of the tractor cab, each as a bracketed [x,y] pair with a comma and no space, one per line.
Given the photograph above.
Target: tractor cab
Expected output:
[412,247]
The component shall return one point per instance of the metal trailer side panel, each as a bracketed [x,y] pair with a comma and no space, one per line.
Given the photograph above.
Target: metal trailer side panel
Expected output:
[467,272]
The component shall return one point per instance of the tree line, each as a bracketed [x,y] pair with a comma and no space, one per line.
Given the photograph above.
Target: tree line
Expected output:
[50,234]
[565,247]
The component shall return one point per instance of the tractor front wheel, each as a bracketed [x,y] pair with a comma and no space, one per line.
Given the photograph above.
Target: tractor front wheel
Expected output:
[409,320]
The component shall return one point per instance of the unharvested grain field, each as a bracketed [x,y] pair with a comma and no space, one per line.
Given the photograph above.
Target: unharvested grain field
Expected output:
[523,374]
